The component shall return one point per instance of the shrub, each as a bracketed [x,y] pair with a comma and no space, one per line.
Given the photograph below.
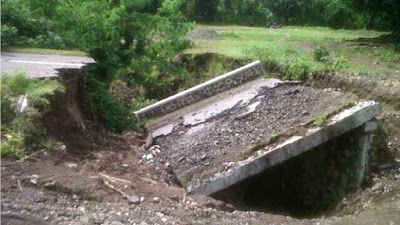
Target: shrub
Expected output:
[321,54]
[113,115]
[319,120]
[297,70]
[338,62]
[265,56]
[23,127]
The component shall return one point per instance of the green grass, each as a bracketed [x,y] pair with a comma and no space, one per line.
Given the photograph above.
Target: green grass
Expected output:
[45,51]
[298,44]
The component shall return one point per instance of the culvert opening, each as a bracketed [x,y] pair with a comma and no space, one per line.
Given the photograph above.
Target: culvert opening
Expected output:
[308,185]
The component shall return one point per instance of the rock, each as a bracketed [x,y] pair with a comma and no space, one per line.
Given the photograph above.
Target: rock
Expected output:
[34,178]
[133,199]
[142,199]
[156,200]
[149,156]
[116,223]
[51,184]
[72,165]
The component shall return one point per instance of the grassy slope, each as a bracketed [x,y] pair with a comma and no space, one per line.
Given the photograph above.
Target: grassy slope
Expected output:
[283,44]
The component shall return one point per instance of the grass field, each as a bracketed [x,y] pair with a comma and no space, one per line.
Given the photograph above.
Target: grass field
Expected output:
[298,44]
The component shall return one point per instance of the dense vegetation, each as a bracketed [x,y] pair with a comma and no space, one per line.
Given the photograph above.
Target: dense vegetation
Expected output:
[372,14]
[24,102]
[133,42]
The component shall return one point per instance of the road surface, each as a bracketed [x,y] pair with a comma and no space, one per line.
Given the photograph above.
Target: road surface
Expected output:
[40,65]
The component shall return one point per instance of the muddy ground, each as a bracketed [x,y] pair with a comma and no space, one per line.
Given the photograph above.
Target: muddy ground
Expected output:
[100,178]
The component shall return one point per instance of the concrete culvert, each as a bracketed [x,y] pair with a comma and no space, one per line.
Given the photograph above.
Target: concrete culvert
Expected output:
[309,184]
[265,143]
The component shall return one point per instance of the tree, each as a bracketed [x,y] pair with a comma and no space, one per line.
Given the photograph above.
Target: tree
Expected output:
[380,12]
[133,41]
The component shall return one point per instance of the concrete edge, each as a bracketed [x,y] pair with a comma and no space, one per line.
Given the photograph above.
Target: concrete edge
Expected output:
[139,114]
[348,120]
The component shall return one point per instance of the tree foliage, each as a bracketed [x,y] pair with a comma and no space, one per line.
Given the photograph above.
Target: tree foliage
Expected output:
[371,14]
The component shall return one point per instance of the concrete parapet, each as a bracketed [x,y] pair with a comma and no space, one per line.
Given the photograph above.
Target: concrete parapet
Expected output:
[202,91]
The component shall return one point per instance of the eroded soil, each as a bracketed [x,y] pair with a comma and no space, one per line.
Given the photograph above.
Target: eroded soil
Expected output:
[54,187]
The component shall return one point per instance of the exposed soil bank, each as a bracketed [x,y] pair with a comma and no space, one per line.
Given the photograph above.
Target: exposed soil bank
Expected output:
[384,90]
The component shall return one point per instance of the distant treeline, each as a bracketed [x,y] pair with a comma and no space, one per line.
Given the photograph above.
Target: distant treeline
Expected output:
[351,14]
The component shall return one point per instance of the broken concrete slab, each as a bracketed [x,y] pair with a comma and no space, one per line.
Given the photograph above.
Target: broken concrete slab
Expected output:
[257,112]
[338,125]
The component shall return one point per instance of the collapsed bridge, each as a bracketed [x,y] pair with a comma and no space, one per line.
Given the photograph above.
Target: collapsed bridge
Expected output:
[238,136]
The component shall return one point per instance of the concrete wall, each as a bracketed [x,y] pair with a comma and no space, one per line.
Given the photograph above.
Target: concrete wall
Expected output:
[311,182]
[202,91]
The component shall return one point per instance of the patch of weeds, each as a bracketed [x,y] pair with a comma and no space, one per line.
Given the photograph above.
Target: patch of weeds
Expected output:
[273,138]
[12,144]
[321,54]
[338,62]
[249,149]
[24,101]
[141,103]
[390,56]
[319,120]
[297,70]
[264,55]
[397,48]
[122,93]
[228,35]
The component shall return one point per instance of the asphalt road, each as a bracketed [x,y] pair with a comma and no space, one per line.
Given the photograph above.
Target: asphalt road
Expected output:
[40,65]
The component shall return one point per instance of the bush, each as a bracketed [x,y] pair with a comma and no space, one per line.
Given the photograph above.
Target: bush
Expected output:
[8,35]
[338,62]
[321,54]
[114,116]
[29,23]
[21,127]
[265,56]
[297,70]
